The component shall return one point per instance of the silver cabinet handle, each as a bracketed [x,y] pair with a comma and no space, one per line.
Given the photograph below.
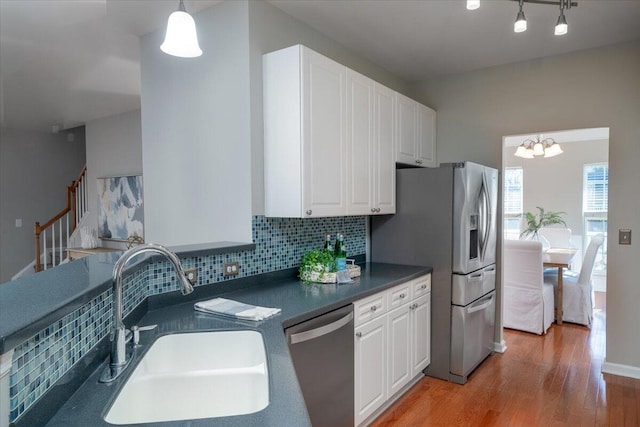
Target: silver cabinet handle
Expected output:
[373,308]
[377,209]
[358,334]
[309,212]
[373,210]
[419,162]
[423,287]
[402,296]
[322,330]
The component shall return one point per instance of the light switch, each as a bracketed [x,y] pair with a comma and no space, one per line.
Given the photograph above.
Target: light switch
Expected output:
[19,223]
[624,237]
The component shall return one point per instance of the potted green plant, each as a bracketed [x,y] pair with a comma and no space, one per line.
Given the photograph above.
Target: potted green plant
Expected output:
[315,264]
[536,221]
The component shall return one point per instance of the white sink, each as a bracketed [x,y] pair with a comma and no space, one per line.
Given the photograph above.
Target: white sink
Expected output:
[195,375]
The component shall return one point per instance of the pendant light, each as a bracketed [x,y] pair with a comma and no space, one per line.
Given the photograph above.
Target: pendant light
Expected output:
[181,38]
[521,22]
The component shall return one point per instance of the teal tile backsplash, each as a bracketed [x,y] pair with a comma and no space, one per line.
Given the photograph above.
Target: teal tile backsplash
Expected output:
[280,244]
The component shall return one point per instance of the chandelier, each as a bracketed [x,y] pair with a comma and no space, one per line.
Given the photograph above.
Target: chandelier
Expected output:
[520,25]
[541,146]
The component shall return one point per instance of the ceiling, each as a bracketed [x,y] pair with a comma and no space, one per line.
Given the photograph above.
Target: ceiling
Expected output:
[67,62]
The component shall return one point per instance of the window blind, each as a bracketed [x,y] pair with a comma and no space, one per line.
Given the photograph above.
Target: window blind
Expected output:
[513,178]
[595,187]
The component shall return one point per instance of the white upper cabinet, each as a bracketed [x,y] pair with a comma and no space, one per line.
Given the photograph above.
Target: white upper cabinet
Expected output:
[332,137]
[416,126]
[304,134]
[426,136]
[384,200]
[370,147]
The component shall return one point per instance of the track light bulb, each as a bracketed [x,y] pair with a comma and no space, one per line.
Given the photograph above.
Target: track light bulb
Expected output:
[521,23]
[473,4]
[561,26]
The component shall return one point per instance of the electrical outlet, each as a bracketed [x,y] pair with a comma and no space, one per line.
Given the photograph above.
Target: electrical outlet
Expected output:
[230,268]
[192,275]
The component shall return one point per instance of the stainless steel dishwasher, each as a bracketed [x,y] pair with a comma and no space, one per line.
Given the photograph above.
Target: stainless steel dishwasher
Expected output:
[322,352]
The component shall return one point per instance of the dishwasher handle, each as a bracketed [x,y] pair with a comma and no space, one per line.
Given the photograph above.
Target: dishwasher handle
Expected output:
[322,330]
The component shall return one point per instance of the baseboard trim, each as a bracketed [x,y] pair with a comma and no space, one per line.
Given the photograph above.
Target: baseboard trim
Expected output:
[621,370]
[500,347]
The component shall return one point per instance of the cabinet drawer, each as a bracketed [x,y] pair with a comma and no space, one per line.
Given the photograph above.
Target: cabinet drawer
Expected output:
[370,308]
[421,286]
[399,295]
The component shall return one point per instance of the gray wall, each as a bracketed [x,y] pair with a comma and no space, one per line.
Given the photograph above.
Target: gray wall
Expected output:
[555,183]
[114,148]
[592,88]
[196,148]
[35,170]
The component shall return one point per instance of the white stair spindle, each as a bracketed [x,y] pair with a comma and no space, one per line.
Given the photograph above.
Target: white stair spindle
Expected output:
[60,251]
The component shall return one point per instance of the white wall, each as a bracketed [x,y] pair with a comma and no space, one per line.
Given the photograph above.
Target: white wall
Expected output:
[592,88]
[114,148]
[555,183]
[196,148]
[35,170]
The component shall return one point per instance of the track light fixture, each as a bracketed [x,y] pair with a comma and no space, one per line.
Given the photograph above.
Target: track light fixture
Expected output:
[521,22]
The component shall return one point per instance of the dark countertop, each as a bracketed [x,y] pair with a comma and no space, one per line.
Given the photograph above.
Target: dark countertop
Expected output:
[31,303]
[298,303]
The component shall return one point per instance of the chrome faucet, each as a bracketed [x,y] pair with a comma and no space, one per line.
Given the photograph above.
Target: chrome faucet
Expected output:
[120,356]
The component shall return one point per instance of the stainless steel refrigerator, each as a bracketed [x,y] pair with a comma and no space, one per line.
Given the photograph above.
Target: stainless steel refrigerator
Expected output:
[446,218]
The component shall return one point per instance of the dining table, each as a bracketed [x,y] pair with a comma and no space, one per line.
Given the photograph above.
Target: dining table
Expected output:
[559,258]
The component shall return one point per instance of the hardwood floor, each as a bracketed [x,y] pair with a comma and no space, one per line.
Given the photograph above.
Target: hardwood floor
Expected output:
[551,380]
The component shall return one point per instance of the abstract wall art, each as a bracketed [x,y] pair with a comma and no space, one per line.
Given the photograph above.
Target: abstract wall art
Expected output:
[120,207]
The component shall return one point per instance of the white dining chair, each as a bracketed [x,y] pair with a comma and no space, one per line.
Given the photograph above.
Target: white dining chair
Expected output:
[558,237]
[528,301]
[577,305]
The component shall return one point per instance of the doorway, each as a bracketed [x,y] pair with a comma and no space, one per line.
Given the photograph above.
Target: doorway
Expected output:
[574,182]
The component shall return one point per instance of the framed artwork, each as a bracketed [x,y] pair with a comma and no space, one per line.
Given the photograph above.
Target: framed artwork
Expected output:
[120,207]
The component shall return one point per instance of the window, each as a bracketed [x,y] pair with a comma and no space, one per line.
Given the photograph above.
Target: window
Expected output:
[595,204]
[513,187]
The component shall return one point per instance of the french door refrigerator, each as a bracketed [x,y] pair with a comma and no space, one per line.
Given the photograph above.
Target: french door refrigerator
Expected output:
[446,219]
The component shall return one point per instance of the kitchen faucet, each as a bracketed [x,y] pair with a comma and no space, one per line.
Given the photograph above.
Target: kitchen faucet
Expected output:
[120,356]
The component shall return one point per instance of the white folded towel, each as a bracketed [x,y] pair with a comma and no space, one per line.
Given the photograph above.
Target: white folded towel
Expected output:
[235,309]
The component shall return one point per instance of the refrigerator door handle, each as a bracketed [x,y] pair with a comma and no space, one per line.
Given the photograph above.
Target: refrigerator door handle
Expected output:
[474,308]
[486,216]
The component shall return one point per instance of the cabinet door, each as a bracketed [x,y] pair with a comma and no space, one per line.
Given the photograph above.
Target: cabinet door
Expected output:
[360,147]
[400,337]
[384,199]
[406,122]
[421,331]
[323,130]
[426,136]
[370,367]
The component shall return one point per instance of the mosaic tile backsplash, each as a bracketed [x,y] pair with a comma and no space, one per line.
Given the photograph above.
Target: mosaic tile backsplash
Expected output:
[280,244]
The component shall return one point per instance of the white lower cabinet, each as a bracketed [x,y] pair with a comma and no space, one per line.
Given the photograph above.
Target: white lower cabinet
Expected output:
[371,367]
[421,334]
[392,343]
[399,348]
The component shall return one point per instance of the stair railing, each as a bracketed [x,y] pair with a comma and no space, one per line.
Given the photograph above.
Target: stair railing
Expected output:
[62,225]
